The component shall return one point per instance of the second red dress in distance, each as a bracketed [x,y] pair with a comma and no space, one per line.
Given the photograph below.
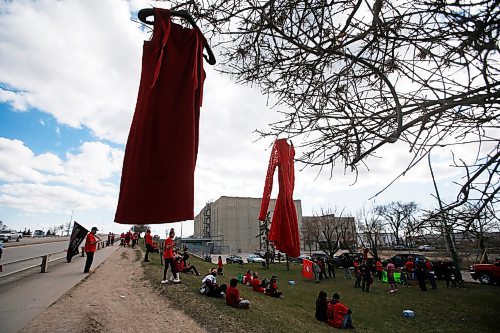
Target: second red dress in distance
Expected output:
[157,183]
[284,230]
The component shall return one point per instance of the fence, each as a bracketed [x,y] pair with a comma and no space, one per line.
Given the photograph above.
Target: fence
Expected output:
[45,260]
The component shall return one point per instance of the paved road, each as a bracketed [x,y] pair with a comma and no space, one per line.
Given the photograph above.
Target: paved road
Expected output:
[23,299]
[29,251]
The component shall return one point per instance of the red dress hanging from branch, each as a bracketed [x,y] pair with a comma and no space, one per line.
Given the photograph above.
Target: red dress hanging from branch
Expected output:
[284,231]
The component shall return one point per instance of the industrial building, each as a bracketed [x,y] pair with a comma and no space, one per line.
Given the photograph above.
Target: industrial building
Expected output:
[231,224]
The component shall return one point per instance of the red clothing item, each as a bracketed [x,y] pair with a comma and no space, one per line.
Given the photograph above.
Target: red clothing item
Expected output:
[219,263]
[157,184]
[168,252]
[379,266]
[232,296]
[284,230]
[336,313]
[90,243]
[149,239]
[256,285]
[409,266]
[247,278]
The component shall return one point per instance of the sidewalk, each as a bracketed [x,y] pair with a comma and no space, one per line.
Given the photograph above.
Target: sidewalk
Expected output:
[26,298]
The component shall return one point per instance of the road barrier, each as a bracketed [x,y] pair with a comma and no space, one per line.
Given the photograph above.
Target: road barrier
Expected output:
[45,260]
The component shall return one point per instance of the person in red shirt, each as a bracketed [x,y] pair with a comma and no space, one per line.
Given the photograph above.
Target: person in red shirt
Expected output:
[409,267]
[135,239]
[149,245]
[90,246]
[379,267]
[219,266]
[339,315]
[122,239]
[168,256]
[247,278]
[233,296]
[272,288]
[256,284]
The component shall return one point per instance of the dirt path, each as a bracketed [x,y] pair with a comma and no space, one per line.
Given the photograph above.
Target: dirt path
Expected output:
[115,298]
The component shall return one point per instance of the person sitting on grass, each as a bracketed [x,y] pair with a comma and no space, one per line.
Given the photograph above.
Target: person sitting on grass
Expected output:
[256,284]
[321,307]
[210,287]
[339,315]
[185,267]
[272,288]
[247,278]
[233,296]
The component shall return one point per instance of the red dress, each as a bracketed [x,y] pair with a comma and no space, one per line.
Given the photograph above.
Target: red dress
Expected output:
[157,183]
[284,230]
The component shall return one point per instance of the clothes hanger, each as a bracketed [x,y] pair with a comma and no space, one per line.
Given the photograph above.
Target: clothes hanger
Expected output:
[146,12]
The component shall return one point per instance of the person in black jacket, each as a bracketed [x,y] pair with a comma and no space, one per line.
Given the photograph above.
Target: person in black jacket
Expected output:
[321,307]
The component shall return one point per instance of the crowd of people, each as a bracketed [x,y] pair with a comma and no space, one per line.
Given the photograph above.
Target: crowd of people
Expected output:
[331,311]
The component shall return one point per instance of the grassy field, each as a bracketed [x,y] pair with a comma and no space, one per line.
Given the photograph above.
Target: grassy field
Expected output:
[475,308]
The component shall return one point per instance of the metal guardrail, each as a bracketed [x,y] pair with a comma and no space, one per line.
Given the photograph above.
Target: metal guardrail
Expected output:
[44,265]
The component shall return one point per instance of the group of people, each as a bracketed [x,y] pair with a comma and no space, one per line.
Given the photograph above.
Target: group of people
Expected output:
[268,287]
[127,237]
[323,269]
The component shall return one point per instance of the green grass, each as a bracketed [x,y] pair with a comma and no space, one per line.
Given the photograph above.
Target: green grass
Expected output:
[475,308]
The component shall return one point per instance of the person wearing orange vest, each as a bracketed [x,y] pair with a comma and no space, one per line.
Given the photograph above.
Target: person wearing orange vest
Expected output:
[149,245]
[168,256]
[90,247]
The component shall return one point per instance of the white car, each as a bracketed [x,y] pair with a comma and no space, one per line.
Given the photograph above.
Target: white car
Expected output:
[426,248]
[255,259]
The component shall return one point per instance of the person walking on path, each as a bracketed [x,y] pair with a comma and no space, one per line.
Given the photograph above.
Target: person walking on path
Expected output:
[90,247]
[149,245]
[168,256]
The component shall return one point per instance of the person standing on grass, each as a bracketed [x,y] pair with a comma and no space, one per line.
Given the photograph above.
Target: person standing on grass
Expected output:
[366,275]
[421,272]
[380,268]
[219,266]
[90,247]
[168,256]
[346,264]
[430,273]
[233,296]
[329,264]
[410,268]
[339,315]
[148,239]
[390,276]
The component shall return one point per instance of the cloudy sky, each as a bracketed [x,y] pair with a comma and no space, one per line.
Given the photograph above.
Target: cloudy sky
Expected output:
[69,76]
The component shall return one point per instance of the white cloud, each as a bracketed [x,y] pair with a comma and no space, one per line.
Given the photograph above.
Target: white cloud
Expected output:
[45,182]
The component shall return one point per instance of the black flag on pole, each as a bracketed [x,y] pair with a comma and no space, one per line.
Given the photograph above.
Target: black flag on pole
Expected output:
[77,236]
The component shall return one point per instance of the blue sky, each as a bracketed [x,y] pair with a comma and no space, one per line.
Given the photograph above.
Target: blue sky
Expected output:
[69,75]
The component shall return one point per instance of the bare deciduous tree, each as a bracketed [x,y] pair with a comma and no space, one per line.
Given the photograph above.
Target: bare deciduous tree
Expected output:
[353,76]
[397,216]
[371,227]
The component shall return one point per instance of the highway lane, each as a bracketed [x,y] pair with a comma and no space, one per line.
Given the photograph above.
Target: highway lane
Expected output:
[28,251]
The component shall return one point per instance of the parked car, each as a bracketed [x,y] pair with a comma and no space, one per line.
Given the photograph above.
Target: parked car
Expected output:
[400,259]
[234,259]
[400,247]
[38,233]
[300,258]
[348,258]
[486,273]
[319,255]
[253,258]
[426,248]
[8,235]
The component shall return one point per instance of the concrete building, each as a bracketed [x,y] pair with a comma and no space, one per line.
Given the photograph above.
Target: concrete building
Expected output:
[232,223]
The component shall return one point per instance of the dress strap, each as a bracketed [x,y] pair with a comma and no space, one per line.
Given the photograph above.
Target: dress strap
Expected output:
[165,25]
